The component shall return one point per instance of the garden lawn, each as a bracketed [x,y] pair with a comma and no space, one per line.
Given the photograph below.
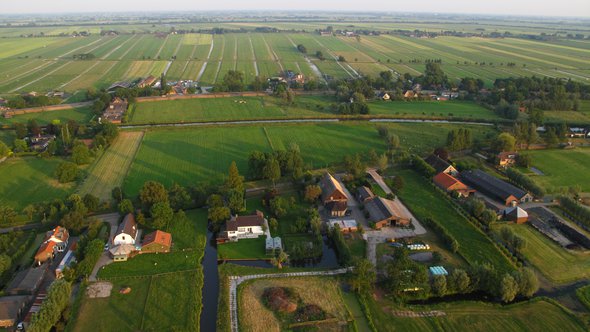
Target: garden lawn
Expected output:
[425,202]
[243,249]
[563,168]
[534,315]
[80,115]
[554,262]
[30,180]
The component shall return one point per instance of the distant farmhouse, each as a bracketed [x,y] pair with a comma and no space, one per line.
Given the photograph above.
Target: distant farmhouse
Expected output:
[147,82]
[507,159]
[450,183]
[334,197]
[440,165]
[56,240]
[496,188]
[40,142]
[114,112]
[119,85]
[242,227]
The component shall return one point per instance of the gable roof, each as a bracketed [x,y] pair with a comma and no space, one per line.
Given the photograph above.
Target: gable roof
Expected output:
[158,237]
[128,226]
[380,209]
[516,212]
[447,181]
[365,193]
[437,163]
[58,234]
[257,219]
[493,186]
[330,185]
[507,155]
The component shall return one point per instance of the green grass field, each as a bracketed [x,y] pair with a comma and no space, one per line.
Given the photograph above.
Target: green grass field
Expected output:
[554,262]
[535,315]
[562,168]
[434,109]
[425,202]
[81,115]
[243,249]
[30,180]
[192,155]
[583,294]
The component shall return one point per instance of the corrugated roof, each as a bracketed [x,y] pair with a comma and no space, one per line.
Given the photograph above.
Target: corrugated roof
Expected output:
[492,185]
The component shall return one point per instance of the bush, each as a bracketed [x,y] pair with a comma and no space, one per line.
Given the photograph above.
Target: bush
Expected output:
[422,167]
[67,172]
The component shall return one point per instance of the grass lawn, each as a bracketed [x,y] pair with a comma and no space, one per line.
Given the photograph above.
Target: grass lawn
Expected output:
[563,168]
[567,116]
[353,305]
[322,291]
[557,264]
[243,249]
[435,109]
[535,315]
[108,171]
[81,115]
[425,202]
[7,136]
[192,155]
[156,303]
[358,246]
[30,180]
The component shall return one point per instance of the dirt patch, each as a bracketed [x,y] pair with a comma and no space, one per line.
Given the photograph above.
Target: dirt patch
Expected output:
[280,299]
[99,290]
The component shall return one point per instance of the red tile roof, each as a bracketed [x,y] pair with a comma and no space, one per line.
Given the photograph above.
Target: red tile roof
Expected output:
[158,237]
[447,181]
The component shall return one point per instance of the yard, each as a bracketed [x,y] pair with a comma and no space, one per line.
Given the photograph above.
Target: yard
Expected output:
[243,249]
[322,291]
[425,202]
[80,115]
[30,180]
[562,168]
[557,264]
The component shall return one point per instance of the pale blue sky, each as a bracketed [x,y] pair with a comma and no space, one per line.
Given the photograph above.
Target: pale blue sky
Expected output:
[510,7]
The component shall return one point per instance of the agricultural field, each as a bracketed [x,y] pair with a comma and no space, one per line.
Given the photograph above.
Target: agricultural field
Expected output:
[158,283]
[30,180]
[425,202]
[562,168]
[47,63]
[192,155]
[322,291]
[109,171]
[554,262]
[80,115]
[535,315]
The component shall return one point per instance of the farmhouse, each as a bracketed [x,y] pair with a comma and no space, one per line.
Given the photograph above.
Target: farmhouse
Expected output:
[516,214]
[364,194]
[157,241]
[383,96]
[449,183]
[114,112]
[333,196]
[119,85]
[126,232]
[411,94]
[292,76]
[11,308]
[383,212]
[242,227]
[498,189]
[41,142]
[440,165]
[147,82]
[56,240]
[507,159]
[325,33]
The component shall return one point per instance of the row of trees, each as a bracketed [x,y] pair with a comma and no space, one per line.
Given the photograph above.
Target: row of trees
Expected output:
[273,165]
[525,181]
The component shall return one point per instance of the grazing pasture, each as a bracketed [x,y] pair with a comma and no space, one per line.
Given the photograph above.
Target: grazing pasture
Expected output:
[108,171]
[562,168]
[80,115]
[30,180]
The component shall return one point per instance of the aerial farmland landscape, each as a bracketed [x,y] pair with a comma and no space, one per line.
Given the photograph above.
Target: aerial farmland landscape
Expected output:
[259,166]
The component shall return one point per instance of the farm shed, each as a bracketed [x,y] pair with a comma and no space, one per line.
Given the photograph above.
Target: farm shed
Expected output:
[496,188]
[346,225]
[384,212]
[449,183]
[157,241]
[516,214]
[438,271]
[11,308]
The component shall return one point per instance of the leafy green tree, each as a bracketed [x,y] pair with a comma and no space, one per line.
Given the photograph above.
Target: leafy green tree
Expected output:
[4,150]
[382,162]
[439,285]
[80,154]
[235,200]
[218,215]
[459,281]
[280,259]
[233,81]
[504,142]
[52,308]
[73,221]
[151,193]
[117,194]
[274,225]
[279,206]
[67,172]
[179,197]
[312,193]
[508,288]
[5,263]
[528,283]
[162,214]
[7,214]
[91,202]
[363,276]
[20,145]
[234,180]
[20,130]
[126,206]
[272,171]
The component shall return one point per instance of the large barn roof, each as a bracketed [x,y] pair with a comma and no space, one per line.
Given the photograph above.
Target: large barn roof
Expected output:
[492,185]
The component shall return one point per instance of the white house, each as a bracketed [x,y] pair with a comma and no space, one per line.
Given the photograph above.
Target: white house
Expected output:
[127,231]
[243,227]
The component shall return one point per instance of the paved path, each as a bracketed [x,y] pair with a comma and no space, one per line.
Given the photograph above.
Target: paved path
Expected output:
[20,228]
[105,258]
[235,281]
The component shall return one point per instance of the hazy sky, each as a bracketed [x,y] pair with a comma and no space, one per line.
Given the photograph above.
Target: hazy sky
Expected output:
[510,7]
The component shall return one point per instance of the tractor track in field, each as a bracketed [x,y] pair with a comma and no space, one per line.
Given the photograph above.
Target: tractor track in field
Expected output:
[273,54]
[336,58]
[204,66]
[311,65]
[253,56]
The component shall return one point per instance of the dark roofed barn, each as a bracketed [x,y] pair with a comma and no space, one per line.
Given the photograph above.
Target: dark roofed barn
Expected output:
[440,165]
[384,212]
[495,188]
